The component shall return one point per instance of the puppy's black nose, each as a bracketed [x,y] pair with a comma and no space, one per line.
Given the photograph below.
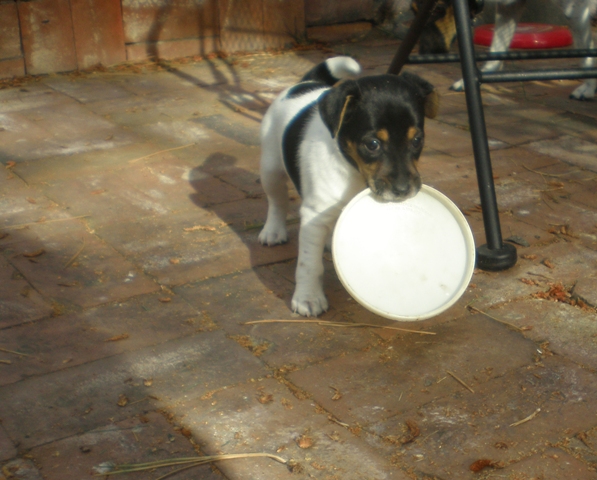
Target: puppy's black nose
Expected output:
[401,189]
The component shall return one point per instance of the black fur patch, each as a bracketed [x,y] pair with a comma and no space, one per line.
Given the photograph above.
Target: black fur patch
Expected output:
[320,73]
[293,136]
[304,87]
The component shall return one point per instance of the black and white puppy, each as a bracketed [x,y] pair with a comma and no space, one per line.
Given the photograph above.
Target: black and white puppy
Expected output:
[333,140]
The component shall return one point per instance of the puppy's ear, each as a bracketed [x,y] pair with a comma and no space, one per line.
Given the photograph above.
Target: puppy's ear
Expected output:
[337,104]
[425,90]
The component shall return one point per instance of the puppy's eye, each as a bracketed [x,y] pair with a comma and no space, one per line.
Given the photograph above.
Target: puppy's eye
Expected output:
[373,145]
[417,141]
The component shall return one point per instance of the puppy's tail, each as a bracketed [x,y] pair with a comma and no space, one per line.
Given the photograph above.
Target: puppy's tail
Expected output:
[333,70]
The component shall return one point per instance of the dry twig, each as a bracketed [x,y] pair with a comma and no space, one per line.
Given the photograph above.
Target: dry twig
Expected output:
[109,468]
[453,375]
[14,353]
[327,323]
[161,151]
[526,419]
[23,225]
[474,309]
[74,257]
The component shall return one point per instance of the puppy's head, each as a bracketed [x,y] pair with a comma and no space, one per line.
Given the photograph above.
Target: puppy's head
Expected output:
[379,126]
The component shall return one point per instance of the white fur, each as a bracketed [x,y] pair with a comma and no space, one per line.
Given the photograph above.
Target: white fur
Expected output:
[328,183]
[343,67]
[578,12]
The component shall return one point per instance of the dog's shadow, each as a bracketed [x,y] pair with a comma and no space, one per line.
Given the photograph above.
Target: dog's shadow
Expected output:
[235,196]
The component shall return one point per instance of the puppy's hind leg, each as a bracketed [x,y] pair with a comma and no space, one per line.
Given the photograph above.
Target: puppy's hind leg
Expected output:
[275,184]
[506,19]
[579,14]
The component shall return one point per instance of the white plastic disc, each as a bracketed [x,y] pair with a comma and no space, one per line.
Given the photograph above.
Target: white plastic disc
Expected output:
[406,260]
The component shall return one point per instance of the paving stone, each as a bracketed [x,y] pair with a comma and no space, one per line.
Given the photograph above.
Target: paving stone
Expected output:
[566,148]
[44,409]
[582,447]
[7,449]
[21,204]
[518,133]
[463,428]
[558,98]
[30,96]
[175,256]
[582,126]
[586,289]
[143,439]
[411,370]
[53,169]
[265,417]
[96,333]
[552,463]
[91,89]
[161,188]
[240,297]
[49,131]
[261,294]
[148,107]
[569,262]
[64,261]
[171,84]
[447,139]
[565,330]
[235,168]
[577,221]
[20,303]
[22,469]
[235,131]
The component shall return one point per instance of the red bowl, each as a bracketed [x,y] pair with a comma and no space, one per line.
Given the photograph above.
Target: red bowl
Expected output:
[529,36]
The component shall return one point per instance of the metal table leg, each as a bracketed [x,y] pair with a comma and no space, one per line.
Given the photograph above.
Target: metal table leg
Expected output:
[494,255]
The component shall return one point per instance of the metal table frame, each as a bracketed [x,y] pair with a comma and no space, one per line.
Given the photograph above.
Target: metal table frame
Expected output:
[495,255]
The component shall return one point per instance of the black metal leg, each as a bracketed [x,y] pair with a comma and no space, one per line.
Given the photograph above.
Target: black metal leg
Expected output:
[495,254]
[412,36]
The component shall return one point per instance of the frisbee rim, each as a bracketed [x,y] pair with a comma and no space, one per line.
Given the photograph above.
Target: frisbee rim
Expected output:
[467,270]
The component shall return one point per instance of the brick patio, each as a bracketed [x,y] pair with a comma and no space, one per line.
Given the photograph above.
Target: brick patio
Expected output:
[129,213]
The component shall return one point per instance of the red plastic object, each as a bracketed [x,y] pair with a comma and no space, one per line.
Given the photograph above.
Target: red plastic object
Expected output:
[529,36]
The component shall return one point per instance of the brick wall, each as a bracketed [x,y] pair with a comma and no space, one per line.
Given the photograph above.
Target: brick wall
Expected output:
[45,36]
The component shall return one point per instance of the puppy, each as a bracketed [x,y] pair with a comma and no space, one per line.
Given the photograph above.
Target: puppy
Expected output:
[439,34]
[333,140]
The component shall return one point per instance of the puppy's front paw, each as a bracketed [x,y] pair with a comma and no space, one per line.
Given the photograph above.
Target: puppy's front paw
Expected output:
[309,303]
[458,86]
[273,235]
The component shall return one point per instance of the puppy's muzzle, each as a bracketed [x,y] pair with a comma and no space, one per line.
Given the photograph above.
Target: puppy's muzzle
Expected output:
[395,190]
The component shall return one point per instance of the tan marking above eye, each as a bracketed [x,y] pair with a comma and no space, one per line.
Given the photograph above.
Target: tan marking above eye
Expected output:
[412,131]
[383,135]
